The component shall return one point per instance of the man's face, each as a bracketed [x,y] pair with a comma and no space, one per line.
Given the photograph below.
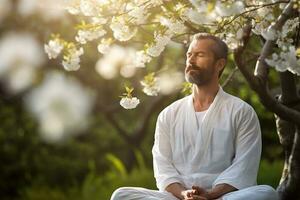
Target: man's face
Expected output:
[200,62]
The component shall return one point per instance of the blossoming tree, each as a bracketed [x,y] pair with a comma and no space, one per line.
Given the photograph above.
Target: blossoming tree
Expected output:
[274,24]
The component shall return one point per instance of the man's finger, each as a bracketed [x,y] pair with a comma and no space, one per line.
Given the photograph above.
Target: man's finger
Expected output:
[197,197]
[198,189]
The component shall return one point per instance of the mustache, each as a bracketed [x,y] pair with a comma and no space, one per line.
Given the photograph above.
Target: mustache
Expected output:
[192,67]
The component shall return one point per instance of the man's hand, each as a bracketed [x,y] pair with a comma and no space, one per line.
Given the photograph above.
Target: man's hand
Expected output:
[199,193]
[176,189]
[196,193]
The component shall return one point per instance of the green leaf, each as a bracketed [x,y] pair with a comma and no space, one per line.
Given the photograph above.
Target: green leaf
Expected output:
[140,159]
[117,164]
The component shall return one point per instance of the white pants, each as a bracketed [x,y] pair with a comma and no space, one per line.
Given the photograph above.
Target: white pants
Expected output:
[258,192]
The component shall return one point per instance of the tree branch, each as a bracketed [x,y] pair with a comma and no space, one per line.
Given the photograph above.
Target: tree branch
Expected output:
[124,134]
[240,63]
[230,76]
[260,88]
[261,69]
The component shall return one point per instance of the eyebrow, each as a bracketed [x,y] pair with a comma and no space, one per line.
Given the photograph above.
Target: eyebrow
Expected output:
[196,52]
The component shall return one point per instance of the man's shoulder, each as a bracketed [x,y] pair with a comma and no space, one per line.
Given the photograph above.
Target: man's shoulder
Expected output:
[237,103]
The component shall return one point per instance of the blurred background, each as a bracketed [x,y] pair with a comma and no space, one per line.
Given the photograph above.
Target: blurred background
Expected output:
[63,135]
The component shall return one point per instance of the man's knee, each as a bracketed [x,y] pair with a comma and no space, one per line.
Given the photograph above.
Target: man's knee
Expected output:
[120,193]
[269,192]
[258,192]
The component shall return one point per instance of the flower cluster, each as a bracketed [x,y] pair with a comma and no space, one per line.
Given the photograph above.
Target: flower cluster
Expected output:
[48,10]
[128,101]
[139,14]
[21,55]
[53,48]
[117,60]
[89,35]
[169,82]
[160,43]
[150,85]
[104,45]
[286,60]
[71,61]
[175,26]
[141,58]
[122,31]
[61,106]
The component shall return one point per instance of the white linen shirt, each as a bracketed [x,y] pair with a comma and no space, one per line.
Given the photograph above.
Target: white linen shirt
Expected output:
[226,148]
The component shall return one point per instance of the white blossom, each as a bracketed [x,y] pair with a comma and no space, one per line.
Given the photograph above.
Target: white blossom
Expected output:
[72,62]
[99,20]
[260,27]
[289,26]
[104,45]
[201,6]
[175,26]
[129,103]
[121,30]
[270,33]
[88,7]
[239,34]
[73,10]
[21,54]
[103,48]
[286,60]
[199,17]
[73,7]
[151,89]
[89,35]
[117,60]
[160,43]
[168,82]
[232,40]
[265,13]
[53,48]
[141,59]
[224,9]
[139,13]
[48,9]
[61,106]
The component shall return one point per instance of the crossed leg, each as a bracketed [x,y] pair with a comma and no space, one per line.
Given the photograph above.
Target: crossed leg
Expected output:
[258,192]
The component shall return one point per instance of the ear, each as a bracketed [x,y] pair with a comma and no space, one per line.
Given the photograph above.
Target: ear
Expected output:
[221,64]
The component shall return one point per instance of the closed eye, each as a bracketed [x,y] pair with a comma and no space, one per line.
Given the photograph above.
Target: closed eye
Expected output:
[198,54]
[188,55]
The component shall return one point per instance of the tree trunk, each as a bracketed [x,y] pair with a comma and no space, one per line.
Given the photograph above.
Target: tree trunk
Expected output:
[289,138]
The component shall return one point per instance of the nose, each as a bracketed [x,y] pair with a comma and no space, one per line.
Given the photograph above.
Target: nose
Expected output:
[191,59]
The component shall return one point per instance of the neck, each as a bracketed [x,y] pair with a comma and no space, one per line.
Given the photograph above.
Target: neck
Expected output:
[203,96]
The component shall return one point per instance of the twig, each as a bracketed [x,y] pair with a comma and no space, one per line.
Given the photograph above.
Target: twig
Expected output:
[229,78]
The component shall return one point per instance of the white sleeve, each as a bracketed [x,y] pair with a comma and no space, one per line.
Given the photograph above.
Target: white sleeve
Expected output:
[243,171]
[164,170]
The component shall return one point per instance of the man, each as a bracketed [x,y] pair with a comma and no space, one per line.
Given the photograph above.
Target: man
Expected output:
[207,145]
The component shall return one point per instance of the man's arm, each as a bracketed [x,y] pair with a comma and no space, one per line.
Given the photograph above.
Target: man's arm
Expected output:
[164,171]
[243,170]
[176,189]
[219,190]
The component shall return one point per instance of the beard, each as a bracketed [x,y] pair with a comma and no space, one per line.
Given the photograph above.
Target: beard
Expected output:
[199,76]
